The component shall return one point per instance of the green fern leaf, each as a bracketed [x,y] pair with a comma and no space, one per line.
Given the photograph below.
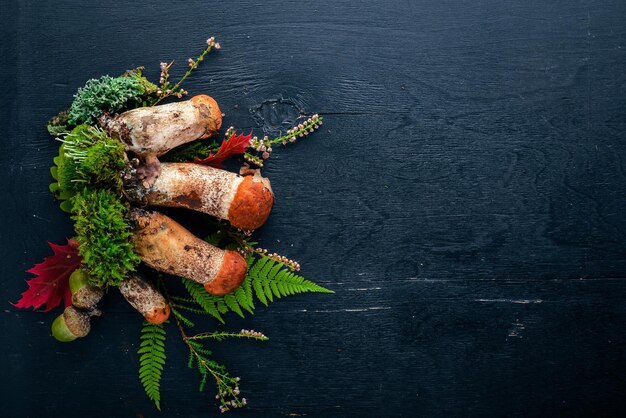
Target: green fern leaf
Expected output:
[272,280]
[214,239]
[266,267]
[260,293]
[206,301]
[152,359]
[266,278]
[180,316]
[243,295]
[232,303]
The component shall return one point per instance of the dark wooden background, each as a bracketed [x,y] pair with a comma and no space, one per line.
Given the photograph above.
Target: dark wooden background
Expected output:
[465,199]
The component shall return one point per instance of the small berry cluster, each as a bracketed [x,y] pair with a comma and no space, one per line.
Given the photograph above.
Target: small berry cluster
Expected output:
[250,333]
[212,44]
[261,145]
[290,264]
[301,130]
[245,247]
[228,388]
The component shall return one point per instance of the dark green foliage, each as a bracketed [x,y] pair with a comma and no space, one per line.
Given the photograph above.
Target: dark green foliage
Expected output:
[199,357]
[62,193]
[152,359]
[213,305]
[266,279]
[270,279]
[108,94]
[137,73]
[191,152]
[104,236]
[178,314]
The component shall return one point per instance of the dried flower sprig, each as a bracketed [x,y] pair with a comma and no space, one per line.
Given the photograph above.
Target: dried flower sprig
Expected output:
[221,336]
[199,356]
[290,264]
[227,386]
[301,130]
[166,89]
[264,146]
[241,241]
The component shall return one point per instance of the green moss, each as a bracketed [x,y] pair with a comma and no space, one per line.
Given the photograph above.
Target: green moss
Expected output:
[104,237]
[103,164]
[87,158]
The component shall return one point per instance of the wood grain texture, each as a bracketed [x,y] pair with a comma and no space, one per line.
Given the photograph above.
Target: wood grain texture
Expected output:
[465,199]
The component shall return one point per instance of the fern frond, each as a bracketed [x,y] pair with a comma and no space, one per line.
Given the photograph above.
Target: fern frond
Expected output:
[152,359]
[180,316]
[266,279]
[181,299]
[213,305]
[270,279]
[231,301]
[191,309]
[244,294]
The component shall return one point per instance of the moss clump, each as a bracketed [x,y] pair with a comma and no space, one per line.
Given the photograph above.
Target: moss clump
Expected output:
[103,163]
[87,158]
[104,237]
[108,94]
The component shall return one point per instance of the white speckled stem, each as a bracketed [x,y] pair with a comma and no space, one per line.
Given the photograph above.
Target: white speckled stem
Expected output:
[192,186]
[141,294]
[156,130]
[166,246]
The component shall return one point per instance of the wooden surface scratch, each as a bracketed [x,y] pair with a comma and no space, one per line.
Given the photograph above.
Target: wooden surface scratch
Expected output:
[465,199]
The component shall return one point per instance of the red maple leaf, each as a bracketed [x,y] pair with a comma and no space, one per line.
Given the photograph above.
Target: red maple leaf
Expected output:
[52,282]
[233,145]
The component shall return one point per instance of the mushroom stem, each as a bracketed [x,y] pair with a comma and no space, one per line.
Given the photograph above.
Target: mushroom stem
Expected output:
[166,246]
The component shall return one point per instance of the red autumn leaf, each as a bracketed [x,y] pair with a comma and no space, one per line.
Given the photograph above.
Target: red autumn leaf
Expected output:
[51,285]
[235,144]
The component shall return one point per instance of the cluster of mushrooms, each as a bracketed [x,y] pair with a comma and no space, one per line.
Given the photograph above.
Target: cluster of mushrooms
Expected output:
[163,244]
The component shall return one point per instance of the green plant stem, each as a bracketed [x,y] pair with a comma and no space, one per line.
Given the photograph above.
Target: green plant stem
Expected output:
[221,335]
[219,377]
[305,129]
[187,74]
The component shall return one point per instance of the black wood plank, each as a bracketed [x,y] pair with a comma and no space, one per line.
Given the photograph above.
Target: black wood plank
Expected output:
[464,198]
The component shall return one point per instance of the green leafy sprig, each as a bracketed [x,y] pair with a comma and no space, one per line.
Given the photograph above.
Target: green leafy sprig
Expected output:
[266,279]
[191,151]
[152,359]
[199,356]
